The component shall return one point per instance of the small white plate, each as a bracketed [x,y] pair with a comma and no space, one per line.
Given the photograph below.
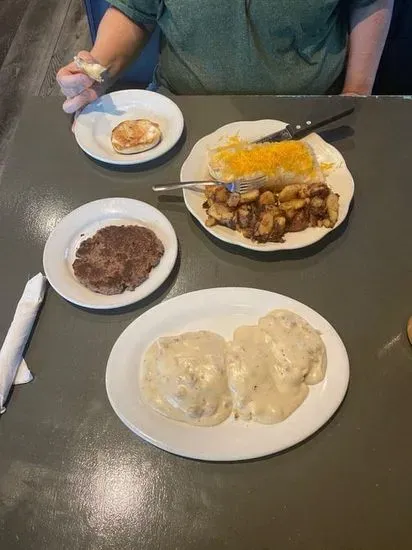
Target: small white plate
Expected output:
[94,125]
[220,310]
[195,168]
[61,246]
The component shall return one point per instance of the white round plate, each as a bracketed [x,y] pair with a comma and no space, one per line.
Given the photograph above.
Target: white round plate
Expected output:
[220,310]
[60,250]
[94,125]
[195,168]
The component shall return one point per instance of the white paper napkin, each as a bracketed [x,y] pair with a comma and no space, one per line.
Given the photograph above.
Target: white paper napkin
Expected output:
[23,374]
[13,368]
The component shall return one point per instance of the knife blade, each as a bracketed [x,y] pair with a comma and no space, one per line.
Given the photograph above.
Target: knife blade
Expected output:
[301,130]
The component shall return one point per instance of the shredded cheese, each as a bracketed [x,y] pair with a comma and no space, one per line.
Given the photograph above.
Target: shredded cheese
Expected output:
[238,158]
[327,167]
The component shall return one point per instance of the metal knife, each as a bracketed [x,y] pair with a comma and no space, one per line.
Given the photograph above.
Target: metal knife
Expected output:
[303,129]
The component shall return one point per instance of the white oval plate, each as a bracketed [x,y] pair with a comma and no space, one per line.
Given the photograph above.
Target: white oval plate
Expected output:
[60,250]
[220,310]
[195,168]
[94,125]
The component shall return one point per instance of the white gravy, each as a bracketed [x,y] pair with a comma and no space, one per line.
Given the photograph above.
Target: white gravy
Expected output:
[271,365]
[263,374]
[184,377]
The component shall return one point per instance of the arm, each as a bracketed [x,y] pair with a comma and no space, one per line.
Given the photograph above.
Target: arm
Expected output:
[368,31]
[118,41]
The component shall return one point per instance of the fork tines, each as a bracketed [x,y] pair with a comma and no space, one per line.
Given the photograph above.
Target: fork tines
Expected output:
[243,186]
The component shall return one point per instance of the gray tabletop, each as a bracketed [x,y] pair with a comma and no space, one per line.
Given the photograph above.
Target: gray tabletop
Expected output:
[73,476]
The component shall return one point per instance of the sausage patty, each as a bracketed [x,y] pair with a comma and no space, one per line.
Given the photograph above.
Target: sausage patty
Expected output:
[117,258]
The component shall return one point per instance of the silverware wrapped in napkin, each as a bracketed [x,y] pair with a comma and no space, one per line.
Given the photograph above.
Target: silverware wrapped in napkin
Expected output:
[13,369]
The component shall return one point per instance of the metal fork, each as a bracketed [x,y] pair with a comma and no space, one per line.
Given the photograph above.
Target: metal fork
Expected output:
[238,186]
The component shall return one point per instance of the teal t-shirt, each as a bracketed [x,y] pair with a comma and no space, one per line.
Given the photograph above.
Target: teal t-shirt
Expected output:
[247,46]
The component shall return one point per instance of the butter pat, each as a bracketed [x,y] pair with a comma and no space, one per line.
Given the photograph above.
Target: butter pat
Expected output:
[94,70]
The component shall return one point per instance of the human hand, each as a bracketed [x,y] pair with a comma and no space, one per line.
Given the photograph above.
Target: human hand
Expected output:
[353,94]
[78,88]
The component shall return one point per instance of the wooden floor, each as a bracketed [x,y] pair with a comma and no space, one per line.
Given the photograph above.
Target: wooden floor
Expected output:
[36,38]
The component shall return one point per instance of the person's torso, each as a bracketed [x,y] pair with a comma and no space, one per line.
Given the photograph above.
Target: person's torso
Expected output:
[252,46]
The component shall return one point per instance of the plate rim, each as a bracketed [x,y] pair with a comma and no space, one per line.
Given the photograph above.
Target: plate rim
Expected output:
[262,247]
[173,251]
[127,161]
[238,458]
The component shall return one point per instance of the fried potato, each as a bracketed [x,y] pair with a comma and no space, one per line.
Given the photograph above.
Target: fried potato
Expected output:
[318,190]
[246,216]
[210,190]
[264,227]
[332,205]
[295,204]
[221,194]
[233,200]
[289,214]
[267,197]
[325,223]
[222,214]
[279,228]
[299,222]
[250,196]
[275,210]
[216,193]
[294,191]
[317,207]
[210,222]
[265,215]
[247,232]
[289,193]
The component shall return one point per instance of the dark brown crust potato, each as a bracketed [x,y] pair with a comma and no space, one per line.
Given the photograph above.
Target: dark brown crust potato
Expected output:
[264,227]
[233,200]
[267,197]
[299,222]
[265,216]
[222,214]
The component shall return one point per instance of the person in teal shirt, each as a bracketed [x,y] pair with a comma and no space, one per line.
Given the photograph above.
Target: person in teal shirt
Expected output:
[281,47]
